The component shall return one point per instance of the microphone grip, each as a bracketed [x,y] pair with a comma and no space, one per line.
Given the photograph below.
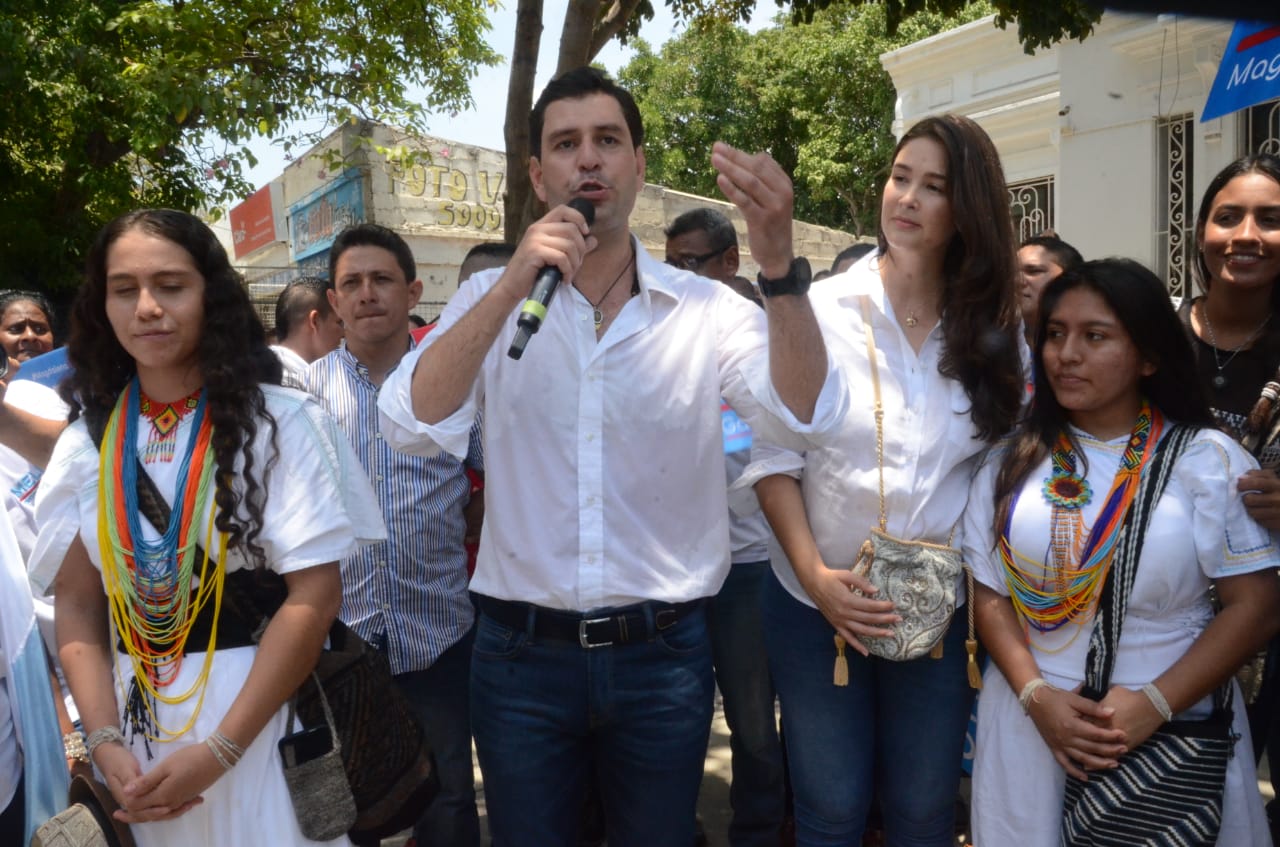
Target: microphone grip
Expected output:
[534,310]
[516,350]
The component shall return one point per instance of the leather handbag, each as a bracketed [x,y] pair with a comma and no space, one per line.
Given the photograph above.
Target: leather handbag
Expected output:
[1169,789]
[919,577]
[384,751]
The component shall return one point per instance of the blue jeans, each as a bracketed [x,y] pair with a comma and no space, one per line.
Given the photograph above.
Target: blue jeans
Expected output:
[896,730]
[439,698]
[547,714]
[757,792]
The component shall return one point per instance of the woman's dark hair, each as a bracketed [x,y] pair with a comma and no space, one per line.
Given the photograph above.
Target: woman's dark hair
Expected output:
[980,315]
[233,358]
[1141,304]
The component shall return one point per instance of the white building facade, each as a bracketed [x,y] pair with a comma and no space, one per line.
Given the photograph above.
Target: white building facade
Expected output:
[1100,140]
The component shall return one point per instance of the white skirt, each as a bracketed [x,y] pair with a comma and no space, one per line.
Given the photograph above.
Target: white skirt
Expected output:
[250,804]
[1018,786]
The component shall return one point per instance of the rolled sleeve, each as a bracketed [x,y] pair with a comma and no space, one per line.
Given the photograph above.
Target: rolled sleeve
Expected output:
[766,460]
[401,427]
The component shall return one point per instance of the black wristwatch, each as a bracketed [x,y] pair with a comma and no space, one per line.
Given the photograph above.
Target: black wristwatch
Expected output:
[795,282]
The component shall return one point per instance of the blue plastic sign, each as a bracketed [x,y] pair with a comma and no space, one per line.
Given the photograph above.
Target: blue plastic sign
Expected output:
[1250,70]
[47,369]
[737,433]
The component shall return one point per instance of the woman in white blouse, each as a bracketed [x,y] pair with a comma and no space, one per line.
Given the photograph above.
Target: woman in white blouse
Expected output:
[172,376]
[1113,372]
[941,296]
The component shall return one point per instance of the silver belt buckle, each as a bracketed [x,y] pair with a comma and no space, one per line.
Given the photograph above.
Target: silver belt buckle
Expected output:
[582,633]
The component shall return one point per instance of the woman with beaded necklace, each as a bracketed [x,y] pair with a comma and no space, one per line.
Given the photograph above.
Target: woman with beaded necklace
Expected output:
[1042,532]
[173,377]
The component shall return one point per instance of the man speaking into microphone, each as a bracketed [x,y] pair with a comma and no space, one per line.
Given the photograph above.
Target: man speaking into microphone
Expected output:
[606,518]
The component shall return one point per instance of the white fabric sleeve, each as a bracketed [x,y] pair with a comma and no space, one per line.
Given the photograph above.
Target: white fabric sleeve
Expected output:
[1228,541]
[746,382]
[978,533]
[766,460]
[320,504]
[400,426]
[73,465]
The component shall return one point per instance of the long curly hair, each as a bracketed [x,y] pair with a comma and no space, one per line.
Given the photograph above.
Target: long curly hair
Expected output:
[232,355]
[980,315]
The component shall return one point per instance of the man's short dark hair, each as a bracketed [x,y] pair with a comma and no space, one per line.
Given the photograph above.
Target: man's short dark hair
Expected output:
[851,254]
[372,235]
[574,85]
[1064,255]
[716,224]
[296,302]
[499,250]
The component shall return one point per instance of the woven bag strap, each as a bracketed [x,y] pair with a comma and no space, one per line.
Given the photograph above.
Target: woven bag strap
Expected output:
[1113,604]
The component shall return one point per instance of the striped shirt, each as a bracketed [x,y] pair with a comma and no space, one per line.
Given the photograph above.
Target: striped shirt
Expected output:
[412,588]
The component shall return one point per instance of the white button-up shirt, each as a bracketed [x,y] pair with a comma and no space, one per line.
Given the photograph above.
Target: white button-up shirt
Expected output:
[930,442]
[605,473]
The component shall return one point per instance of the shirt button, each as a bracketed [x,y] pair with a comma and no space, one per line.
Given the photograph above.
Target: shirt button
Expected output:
[382,564]
[378,477]
[378,435]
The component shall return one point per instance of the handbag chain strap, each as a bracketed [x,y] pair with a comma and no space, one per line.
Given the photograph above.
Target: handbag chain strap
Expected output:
[879,416]
[971,643]
[879,407]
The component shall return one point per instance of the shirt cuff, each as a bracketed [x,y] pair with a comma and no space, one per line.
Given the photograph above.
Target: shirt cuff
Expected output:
[402,429]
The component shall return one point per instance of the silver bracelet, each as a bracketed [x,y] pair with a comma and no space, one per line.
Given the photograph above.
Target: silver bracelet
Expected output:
[227,752]
[1028,695]
[1157,699]
[73,746]
[105,735]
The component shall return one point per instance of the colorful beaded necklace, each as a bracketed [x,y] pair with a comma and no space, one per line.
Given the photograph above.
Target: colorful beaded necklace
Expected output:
[1064,588]
[149,583]
[164,418]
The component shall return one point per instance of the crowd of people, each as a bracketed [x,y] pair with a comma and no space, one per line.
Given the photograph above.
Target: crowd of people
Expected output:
[563,555]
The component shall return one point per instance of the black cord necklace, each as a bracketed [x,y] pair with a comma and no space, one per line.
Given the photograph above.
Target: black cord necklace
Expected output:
[598,316]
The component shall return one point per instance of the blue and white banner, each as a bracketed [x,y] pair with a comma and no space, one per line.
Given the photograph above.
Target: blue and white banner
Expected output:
[1250,70]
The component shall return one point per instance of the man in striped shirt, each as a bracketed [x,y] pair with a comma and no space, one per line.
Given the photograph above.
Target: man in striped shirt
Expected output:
[409,593]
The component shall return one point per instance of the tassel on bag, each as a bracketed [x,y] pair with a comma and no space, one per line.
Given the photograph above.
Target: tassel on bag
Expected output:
[841,676]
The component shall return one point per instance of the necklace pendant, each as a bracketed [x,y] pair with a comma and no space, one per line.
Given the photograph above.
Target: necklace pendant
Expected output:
[1219,381]
[912,321]
[597,316]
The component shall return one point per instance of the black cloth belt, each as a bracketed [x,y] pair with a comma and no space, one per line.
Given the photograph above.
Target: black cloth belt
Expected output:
[628,624]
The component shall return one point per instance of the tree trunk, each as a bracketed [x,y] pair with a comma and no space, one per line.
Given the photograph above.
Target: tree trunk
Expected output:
[575,39]
[519,200]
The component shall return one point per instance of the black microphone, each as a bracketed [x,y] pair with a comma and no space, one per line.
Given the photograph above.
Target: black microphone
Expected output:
[535,308]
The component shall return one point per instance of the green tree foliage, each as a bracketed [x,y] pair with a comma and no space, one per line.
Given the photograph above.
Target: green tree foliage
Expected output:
[114,104]
[814,95]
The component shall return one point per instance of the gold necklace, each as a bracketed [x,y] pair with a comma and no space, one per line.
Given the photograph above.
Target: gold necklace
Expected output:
[596,314]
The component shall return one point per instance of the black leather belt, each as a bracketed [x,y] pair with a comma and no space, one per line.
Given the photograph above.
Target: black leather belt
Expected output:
[619,626]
